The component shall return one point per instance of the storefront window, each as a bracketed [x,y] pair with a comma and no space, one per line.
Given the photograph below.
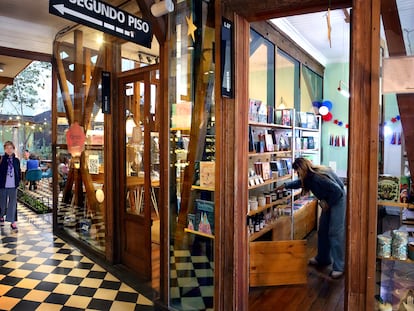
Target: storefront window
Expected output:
[311,88]
[287,81]
[192,156]
[261,70]
[80,127]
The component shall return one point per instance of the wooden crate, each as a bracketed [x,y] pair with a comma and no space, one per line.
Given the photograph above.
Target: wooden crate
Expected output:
[278,263]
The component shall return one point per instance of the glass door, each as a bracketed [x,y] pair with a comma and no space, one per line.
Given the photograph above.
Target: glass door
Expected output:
[140,172]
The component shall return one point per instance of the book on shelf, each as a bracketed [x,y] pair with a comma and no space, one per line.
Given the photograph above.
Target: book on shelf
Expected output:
[269,146]
[254,107]
[303,119]
[204,216]
[278,116]
[311,120]
[311,142]
[252,141]
[286,117]
[207,174]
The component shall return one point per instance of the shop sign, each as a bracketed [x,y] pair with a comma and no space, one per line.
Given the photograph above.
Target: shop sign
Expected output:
[104,17]
[226,58]
[75,139]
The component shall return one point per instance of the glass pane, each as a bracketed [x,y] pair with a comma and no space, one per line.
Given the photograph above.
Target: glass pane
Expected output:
[80,166]
[311,88]
[261,71]
[192,156]
[134,132]
[287,81]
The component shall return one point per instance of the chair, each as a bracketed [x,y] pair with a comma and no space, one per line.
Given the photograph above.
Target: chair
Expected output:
[33,176]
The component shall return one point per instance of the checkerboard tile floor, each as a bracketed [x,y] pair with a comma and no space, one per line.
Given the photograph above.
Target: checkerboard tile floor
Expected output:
[39,271]
[192,281]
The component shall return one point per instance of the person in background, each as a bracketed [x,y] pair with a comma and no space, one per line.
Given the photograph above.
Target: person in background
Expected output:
[32,164]
[327,187]
[9,181]
[23,164]
[63,170]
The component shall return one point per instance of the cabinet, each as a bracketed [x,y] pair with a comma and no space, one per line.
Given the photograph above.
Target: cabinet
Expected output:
[279,221]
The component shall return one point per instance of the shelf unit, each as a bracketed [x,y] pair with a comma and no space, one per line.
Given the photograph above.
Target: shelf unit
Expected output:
[280,215]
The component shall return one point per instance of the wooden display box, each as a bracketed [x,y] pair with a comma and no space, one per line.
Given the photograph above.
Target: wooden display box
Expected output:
[304,220]
[278,263]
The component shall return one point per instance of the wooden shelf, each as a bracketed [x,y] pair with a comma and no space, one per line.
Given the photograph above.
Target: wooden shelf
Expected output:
[194,187]
[395,259]
[281,202]
[210,236]
[271,181]
[307,150]
[270,153]
[306,129]
[266,229]
[396,204]
[272,125]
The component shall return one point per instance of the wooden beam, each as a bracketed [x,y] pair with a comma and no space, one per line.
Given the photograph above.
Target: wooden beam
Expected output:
[159,24]
[63,83]
[392,27]
[363,156]
[266,9]
[25,54]
[6,80]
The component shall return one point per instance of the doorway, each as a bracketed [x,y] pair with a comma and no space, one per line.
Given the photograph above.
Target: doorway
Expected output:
[139,215]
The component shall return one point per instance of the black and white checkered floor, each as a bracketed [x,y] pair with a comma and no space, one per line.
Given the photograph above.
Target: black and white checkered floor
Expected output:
[192,281]
[192,273]
[39,271]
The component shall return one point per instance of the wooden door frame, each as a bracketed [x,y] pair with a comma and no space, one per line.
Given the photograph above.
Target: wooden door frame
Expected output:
[362,172]
[136,75]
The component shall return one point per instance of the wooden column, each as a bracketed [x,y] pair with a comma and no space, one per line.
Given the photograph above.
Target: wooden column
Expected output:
[363,155]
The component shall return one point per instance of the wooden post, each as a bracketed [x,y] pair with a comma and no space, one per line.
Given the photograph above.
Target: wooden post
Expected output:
[363,155]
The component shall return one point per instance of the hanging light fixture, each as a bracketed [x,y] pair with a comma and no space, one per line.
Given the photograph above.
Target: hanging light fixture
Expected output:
[342,88]
[129,125]
[1,67]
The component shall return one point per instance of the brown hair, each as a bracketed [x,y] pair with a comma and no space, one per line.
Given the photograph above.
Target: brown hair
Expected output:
[9,143]
[303,167]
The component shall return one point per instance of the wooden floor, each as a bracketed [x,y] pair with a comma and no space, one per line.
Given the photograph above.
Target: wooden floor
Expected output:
[321,293]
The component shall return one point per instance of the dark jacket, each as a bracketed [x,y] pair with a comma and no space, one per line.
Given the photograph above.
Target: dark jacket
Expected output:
[4,167]
[329,188]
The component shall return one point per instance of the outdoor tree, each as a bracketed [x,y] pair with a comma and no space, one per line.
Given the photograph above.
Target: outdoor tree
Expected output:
[24,96]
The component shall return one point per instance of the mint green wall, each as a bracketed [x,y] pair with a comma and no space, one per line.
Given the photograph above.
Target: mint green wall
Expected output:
[340,111]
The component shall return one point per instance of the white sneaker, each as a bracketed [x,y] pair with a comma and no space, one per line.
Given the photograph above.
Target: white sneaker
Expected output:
[312,261]
[336,274]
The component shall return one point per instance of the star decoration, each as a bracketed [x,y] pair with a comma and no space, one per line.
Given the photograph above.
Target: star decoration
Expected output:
[191,27]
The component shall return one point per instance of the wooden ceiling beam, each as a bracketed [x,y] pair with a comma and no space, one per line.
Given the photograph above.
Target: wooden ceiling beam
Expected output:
[254,10]
[6,80]
[392,27]
[159,24]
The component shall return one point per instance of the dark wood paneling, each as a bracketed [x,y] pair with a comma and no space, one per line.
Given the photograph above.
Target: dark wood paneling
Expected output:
[363,155]
[25,54]
[267,9]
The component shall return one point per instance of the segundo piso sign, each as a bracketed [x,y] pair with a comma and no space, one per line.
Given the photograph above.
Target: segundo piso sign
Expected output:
[104,17]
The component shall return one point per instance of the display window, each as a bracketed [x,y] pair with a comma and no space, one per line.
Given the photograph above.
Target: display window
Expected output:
[192,156]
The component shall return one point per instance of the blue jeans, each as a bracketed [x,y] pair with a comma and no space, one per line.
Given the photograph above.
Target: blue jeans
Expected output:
[8,203]
[331,236]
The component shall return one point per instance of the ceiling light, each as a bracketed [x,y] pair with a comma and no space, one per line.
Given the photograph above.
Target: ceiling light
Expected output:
[1,67]
[343,89]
